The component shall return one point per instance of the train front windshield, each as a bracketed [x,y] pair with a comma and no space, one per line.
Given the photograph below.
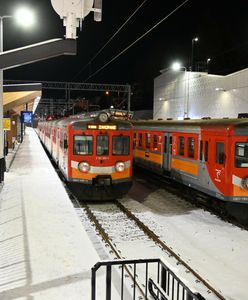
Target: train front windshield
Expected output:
[120,145]
[241,155]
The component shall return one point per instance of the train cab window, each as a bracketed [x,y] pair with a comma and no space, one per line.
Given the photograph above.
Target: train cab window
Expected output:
[220,153]
[155,142]
[102,145]
[241,155]
[120,145]
[140,139]
[148,140]
[181,145]
[191,147]
[83,145]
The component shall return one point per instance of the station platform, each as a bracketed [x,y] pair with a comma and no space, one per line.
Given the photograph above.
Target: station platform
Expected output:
[45,252]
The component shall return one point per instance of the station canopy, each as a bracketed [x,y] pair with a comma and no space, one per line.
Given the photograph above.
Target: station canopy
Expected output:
[19,97]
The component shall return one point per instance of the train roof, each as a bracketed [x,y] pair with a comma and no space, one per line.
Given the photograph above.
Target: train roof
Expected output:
[79,121]
[242,122]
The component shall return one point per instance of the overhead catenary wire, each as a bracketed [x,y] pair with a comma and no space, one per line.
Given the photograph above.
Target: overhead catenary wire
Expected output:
[101,49]
[137,40]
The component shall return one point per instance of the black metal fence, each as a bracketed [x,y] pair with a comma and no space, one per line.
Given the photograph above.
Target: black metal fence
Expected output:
[142,279]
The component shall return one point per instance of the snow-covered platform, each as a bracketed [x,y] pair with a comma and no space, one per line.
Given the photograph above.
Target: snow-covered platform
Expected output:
[45,253]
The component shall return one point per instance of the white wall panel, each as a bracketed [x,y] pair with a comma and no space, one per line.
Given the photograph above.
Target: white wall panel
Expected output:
[207,95]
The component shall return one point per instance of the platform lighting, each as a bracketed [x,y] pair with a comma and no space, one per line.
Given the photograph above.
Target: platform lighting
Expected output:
[24,17]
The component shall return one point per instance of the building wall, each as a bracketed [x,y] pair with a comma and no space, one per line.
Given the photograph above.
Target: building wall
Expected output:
[196,95]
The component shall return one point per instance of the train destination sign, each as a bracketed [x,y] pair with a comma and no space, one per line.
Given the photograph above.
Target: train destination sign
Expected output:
[102,127]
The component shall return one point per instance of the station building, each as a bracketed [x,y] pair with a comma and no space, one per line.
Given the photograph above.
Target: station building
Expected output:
[18,98]
[182,94]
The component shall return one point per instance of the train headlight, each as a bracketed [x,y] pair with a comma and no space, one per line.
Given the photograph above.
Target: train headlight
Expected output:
[84,167]
[244,183]
[120,166]
[103,117]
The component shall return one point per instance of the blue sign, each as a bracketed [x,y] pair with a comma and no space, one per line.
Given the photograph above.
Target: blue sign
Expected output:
[27,117]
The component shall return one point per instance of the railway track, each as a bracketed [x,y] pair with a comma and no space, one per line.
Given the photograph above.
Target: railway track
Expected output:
[234,213]
[120,229]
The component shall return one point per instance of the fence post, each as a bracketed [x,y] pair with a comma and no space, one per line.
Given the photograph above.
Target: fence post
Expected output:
[108,282]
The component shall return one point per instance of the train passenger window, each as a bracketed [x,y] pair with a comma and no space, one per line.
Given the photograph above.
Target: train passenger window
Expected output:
[165,144]
[181,145]
[83,145]
[241,155]
[134,140]
[140,140]
[102,145]
[120,145]
[148,140]
[201,150]
[220,153]
[206,151]
[155,142]
[191,147]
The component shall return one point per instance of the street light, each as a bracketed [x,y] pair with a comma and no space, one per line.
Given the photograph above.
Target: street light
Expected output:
[25,18]
[176,66]
[208,61]
[194,40]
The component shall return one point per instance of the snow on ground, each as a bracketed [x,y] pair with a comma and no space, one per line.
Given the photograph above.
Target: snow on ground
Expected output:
[215,249]
[45,252]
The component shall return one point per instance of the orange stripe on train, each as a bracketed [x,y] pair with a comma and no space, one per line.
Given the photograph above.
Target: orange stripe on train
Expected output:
[185,166]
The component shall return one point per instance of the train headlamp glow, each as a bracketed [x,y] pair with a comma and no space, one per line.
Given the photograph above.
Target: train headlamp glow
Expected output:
[120,166]
[84,167]
[103,117]
[244,183]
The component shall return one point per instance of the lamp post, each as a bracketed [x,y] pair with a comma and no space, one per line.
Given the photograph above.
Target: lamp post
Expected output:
[25,18]
[194,40]
[177,67]
[208,61]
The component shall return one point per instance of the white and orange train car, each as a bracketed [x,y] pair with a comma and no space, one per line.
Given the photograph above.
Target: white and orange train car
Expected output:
[209,155]
[93,151]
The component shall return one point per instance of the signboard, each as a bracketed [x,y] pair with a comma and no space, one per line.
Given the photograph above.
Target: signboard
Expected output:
[6,124]
[102,127]
[26,117]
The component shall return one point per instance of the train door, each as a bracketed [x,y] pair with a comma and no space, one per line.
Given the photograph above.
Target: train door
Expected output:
[167,151]
[65,154]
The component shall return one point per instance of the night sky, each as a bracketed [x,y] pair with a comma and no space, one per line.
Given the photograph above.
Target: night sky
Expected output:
[221,26]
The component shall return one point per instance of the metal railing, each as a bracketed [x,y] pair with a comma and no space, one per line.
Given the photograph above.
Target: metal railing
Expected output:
[147,279]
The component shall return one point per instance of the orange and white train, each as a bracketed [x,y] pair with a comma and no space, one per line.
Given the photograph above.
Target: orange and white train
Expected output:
[209,155]
[93,151]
